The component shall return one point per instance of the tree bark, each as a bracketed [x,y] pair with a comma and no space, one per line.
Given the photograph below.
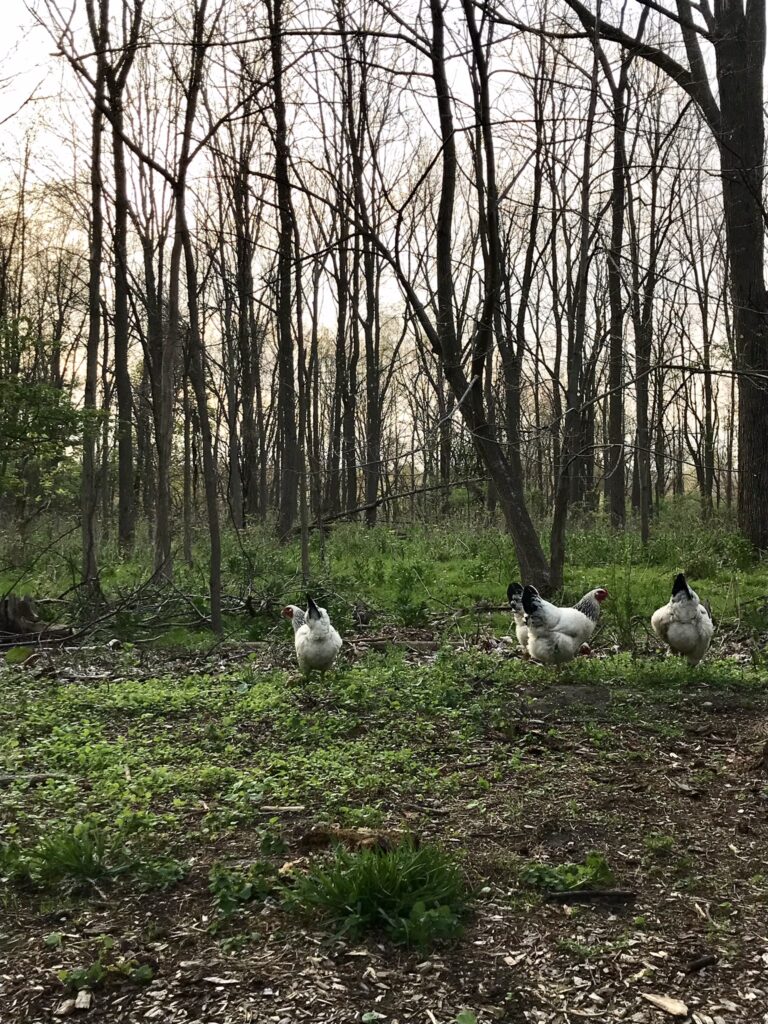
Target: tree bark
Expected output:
[88,495]
[286,396]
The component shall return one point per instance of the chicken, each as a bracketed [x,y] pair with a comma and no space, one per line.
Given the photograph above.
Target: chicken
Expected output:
[556,635]
[684,623]
[317,642]
[515,597]
[295,614]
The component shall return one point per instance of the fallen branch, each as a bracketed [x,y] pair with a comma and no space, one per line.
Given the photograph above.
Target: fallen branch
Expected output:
[707,960]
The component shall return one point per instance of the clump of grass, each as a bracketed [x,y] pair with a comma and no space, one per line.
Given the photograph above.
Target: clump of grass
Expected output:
[84,854]
[78,854]
[659,847]
[415,896]
[569,877]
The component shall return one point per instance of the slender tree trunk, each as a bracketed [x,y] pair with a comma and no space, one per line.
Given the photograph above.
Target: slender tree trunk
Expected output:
[88,496]
[574,359]
[125,491]
[289,461]
[615,468]
[532,562]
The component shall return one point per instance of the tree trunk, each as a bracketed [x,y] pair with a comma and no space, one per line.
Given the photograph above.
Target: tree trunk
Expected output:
[531,559]
[286,395]
[88,496]
[125,492]
[740,52]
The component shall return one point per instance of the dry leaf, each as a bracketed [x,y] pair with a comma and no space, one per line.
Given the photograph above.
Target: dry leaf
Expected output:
[674,1007]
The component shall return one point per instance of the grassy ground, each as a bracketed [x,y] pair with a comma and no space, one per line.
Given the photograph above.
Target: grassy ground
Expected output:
[149,805]
[184,823]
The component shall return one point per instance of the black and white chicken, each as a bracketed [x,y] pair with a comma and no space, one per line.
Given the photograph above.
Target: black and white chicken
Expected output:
[317,642]
[556,635]
[684,622]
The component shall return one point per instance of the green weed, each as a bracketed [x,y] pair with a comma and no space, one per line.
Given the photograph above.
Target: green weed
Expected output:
[594,871]
[659,847]
[98,973]
[232,889]
[416,896]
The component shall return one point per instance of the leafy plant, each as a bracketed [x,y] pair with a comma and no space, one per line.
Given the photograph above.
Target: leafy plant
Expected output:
[466,1017]
[78,978]
[416,896]
[98,973]
[594,871]
[658,846]
[232,888]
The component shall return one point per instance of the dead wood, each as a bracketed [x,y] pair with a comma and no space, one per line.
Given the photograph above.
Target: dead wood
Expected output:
[707,960]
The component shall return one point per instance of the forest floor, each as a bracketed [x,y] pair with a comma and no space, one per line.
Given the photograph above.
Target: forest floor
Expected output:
[128,776]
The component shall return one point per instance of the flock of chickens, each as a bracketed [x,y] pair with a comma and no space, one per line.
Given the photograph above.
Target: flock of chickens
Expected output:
[555,635]
[545,632]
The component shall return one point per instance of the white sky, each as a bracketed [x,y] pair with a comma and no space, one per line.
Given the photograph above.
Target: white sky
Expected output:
[25,60]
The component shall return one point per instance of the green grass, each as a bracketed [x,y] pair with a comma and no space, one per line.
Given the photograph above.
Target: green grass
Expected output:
[129,773]
[415,896]
[408,577]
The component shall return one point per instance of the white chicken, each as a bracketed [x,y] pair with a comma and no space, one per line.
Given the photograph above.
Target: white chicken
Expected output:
[556,635]
[515,598]
[295,614]
[317,642]
[684,623]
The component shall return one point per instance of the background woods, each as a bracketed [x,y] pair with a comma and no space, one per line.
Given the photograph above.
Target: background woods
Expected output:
[261,262]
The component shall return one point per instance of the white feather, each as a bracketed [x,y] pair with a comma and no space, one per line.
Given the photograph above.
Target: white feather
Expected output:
[555,635]
[317,643]
[685,625]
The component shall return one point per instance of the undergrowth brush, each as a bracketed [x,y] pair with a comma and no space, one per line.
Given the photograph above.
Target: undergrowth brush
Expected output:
[406,576]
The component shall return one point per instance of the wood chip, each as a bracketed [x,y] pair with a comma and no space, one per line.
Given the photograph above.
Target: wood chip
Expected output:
[674,1007]
[222,981]
[84,998]
[64,1008]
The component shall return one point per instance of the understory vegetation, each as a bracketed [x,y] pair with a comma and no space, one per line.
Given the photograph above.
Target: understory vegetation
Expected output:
[407,576]
[187,824]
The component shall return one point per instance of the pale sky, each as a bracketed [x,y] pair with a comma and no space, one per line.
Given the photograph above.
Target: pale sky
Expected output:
[27,69]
